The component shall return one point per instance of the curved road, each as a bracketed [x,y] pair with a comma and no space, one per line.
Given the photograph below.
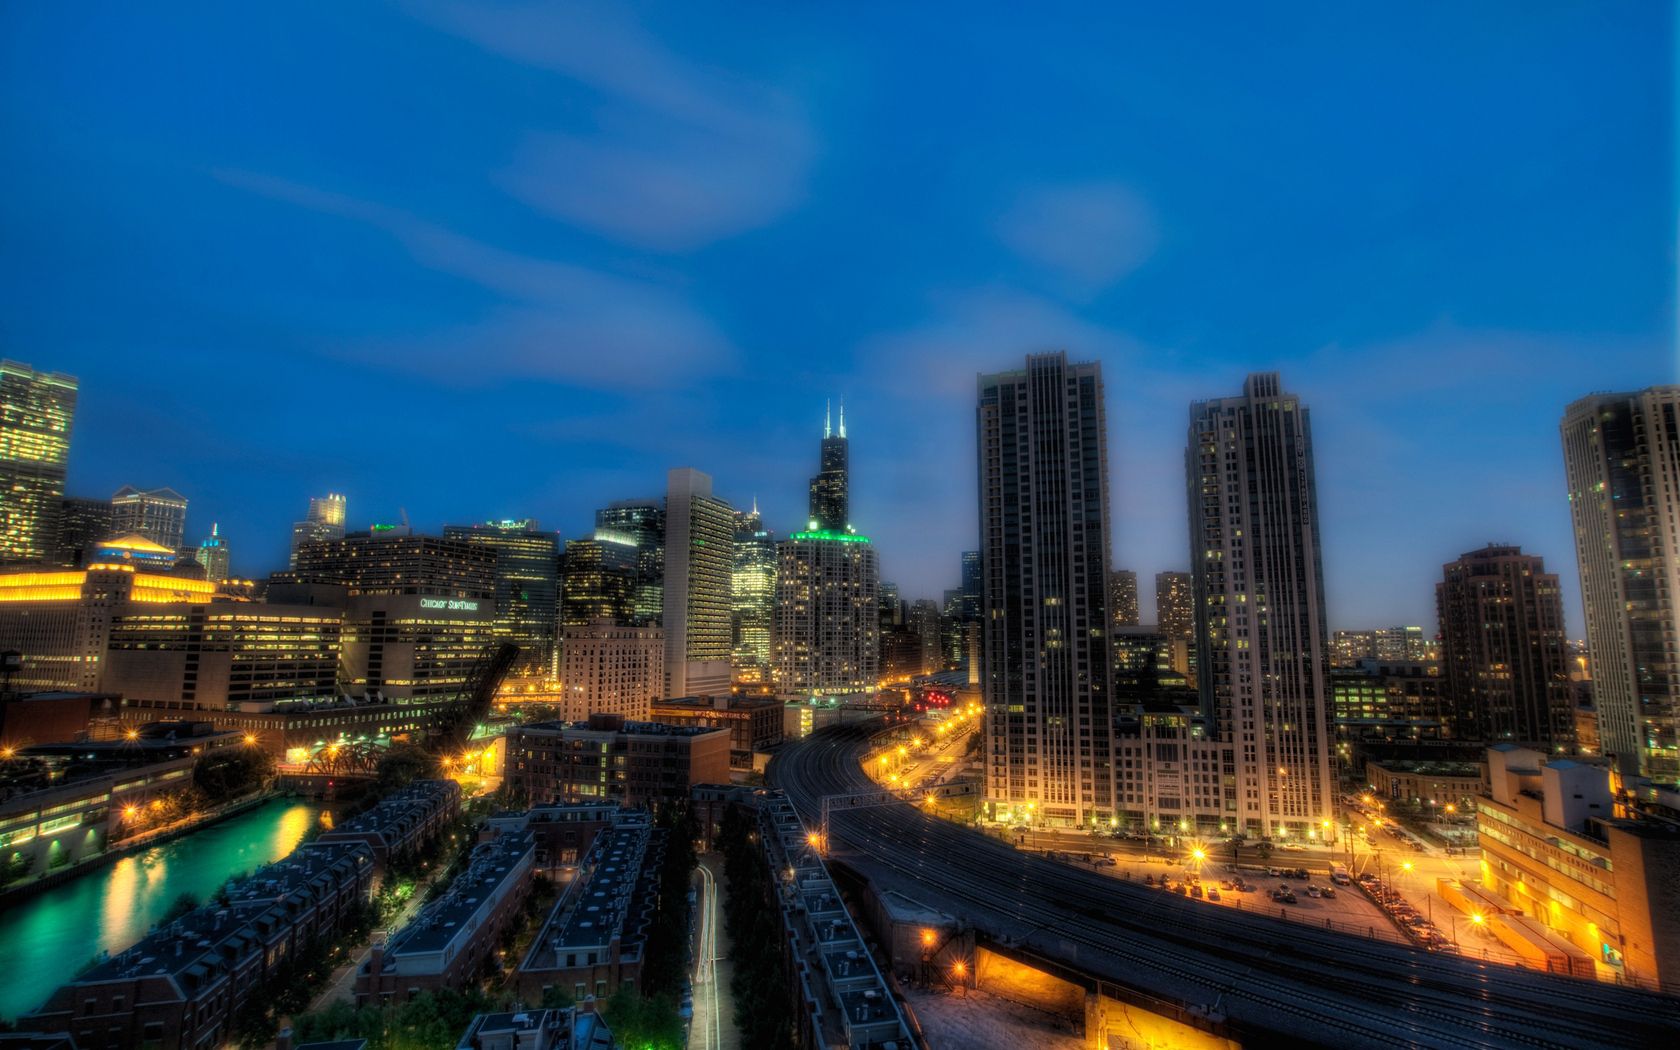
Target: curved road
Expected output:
[1271,980]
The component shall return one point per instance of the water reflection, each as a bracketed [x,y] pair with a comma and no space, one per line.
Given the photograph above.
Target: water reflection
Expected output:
[46,939]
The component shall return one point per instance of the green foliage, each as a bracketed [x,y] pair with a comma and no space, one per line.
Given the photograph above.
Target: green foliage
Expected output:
[181,906]
[401,765]
[644,1023]
[428,1021]
[667,955]
[228,772]
[763,1011]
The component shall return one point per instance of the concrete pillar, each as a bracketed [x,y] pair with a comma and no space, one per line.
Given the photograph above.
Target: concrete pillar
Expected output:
[1096,1021]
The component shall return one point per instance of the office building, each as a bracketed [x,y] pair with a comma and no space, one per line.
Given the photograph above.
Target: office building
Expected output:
[927,622]
[609,758]
[971,585]
[616,668]
[419,611]
[1396,644]
[1604,877]
[699,563]
[752,599]
[82,525]
[754,722]
[827,632]
[1262,650]
[527,589]
[324,522]
[1123,597]
[213,554]
[831,486]
[1045,650]
[60,620]
[36,409]
[1505,662]
[1347,648]
[1175,604]
[160,515]
[598,582]
[1621,455]
[640,525]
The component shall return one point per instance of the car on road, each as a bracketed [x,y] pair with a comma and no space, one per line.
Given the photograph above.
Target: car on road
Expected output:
[1314,891]
[1212,894]
[1103,861]
[1294,847]
[1328,892]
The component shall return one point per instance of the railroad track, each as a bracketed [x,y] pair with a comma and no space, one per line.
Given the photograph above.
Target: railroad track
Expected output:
[1265,975]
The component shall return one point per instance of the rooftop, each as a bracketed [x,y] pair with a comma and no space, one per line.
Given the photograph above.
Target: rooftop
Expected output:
[493,865]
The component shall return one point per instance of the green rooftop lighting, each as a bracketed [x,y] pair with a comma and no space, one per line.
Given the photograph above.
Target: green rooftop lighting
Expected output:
[830,534]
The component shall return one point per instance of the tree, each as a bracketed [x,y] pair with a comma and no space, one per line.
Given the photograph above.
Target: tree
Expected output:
[228,772]
[181,907]
[402,764]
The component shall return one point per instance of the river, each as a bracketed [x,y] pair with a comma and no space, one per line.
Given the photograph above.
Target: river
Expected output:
[45,939]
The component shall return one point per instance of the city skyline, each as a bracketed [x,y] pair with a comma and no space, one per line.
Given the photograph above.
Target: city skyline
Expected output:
[1480,282]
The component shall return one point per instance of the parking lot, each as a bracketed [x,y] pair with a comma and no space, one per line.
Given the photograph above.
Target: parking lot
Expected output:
[1349,911]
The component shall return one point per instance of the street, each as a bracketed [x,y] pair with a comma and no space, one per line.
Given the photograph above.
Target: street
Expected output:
[713,1025]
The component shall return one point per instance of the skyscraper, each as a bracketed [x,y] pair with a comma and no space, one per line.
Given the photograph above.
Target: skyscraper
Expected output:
[213,554]
[1042,442]
[1262,650]
[830,488]
[160,515]
[971,585]
[827,636]
[699,564]
[1504,656]
[82,524]
[36,409]
[527,588]
[640,525]
[828,628]
[325,522]
[598,583]
[752,598]
[1123,597]
[1621,453]
[1175,604]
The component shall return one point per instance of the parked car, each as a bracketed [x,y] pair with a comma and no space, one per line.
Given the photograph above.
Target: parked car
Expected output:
[1294,847]
[1196,891]
[1328,892]
[1212,894]
[1313,891]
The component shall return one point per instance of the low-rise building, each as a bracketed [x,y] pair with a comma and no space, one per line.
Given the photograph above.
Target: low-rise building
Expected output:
[1429,785]
[573,1028]
[452,938]
[610,758]
[1562,846]
[754,722]
[402,822]
[595,940]
[563,832]
[182,984]
[61,804]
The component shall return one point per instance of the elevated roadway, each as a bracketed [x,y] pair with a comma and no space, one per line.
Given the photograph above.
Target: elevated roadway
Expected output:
[1265,981]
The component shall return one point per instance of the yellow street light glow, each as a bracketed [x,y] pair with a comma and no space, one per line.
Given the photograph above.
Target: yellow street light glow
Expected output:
[250,738]
[1478,918]
[133,734]
[959,967]
[927,937]
[1198,854]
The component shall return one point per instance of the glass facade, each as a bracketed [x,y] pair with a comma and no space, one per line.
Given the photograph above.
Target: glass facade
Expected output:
[36,409]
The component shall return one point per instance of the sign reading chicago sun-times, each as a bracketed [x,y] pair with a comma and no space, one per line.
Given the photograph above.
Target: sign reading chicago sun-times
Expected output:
[453,604]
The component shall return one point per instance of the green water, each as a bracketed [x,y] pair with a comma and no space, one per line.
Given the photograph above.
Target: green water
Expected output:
[45,939]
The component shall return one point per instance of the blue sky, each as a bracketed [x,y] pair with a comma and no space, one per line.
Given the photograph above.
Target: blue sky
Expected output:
[482,261]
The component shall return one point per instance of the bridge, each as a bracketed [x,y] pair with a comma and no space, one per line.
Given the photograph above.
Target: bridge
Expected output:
[1250,979]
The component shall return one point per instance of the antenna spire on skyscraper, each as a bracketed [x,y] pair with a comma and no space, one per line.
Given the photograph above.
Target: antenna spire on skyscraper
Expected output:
[828,418]
[842,417]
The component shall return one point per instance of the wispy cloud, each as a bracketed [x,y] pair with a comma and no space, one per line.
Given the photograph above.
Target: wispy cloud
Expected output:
[559,321]
[1090,235]
[680,155]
